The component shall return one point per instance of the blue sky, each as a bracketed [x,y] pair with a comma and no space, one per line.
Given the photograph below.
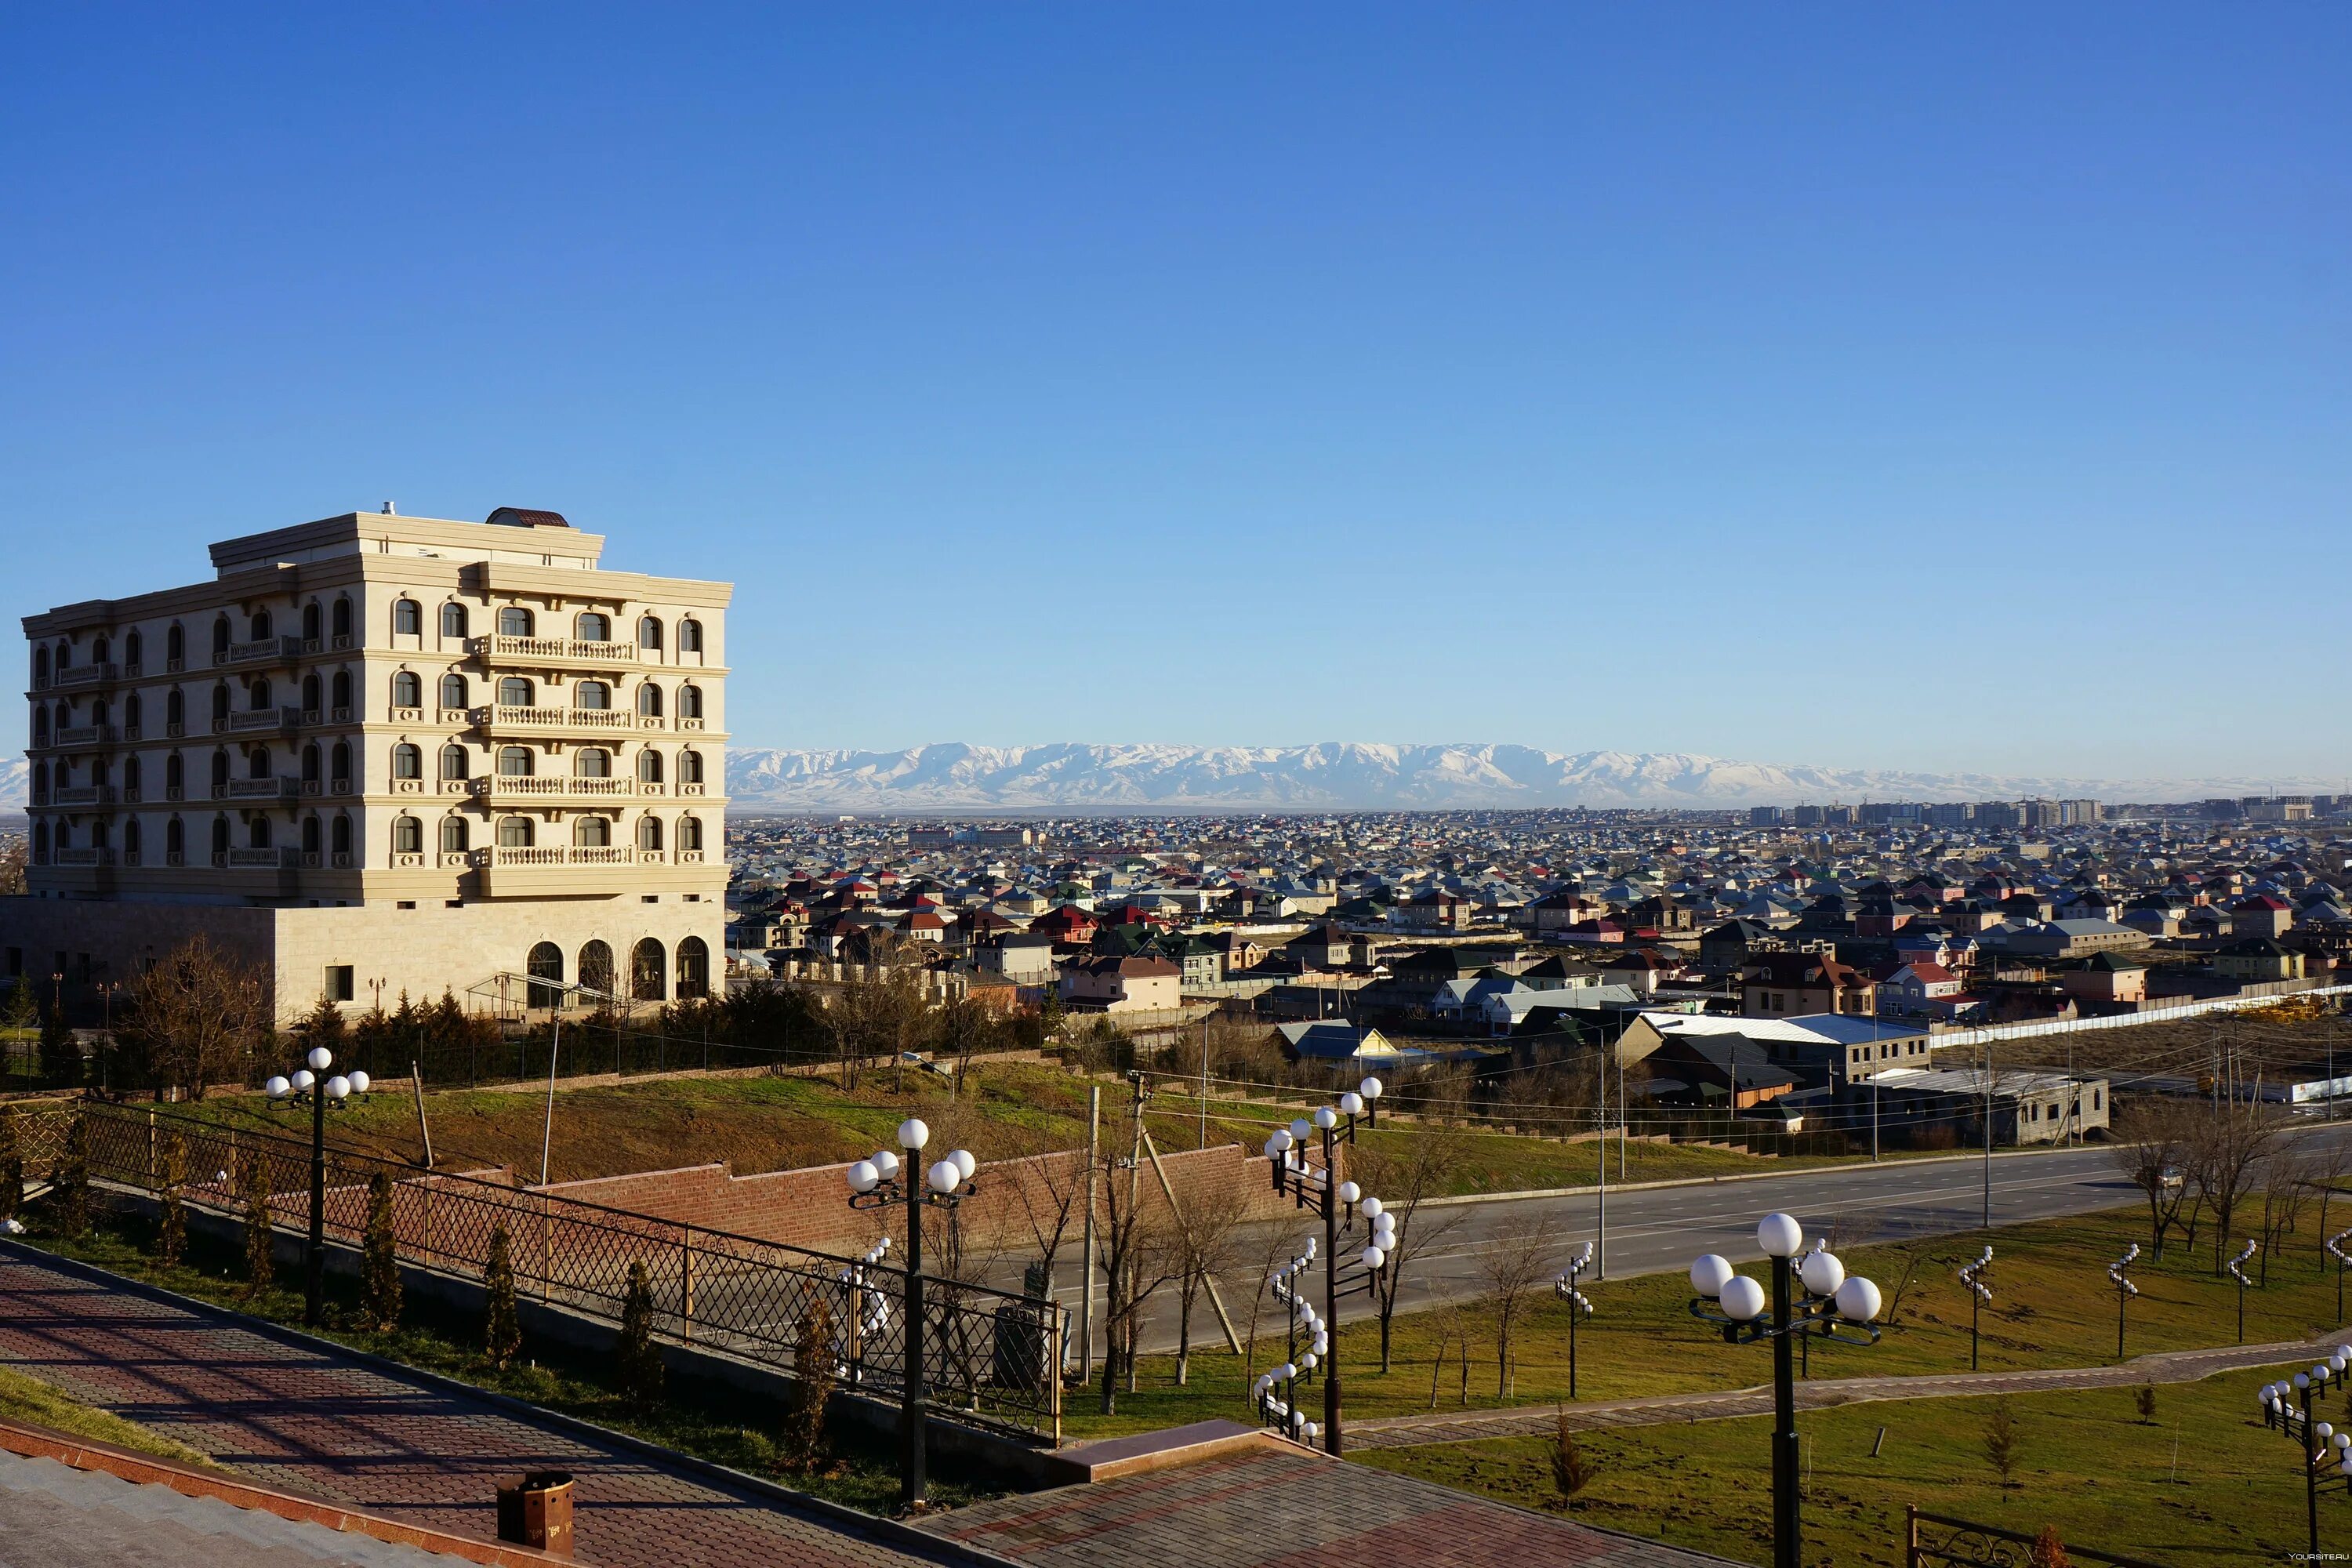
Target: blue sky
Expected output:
[1909,387]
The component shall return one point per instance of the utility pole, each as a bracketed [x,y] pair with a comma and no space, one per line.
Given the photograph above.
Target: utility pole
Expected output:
[1600,1215]
[1087,1275]
[1134,1196]
[1204,1081]
[1988,1134]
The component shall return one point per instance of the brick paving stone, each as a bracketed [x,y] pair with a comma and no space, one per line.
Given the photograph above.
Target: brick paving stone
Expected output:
[1273,1507]
[314,1422]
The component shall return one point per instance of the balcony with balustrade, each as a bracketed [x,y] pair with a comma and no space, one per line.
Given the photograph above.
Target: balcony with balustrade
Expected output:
[594,721]
[83,735]
[524,789]
[280,857]
[257,720]
[82,794]
[280,788]
[260,650]
[553,653]
[75,676]
[83,855]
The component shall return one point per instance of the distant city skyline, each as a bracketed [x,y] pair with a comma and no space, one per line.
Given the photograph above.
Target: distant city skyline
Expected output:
[1951,392]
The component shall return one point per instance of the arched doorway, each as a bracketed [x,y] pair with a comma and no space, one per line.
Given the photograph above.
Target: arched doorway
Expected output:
[545,963]
[646,981]
[596,967]
[693,968]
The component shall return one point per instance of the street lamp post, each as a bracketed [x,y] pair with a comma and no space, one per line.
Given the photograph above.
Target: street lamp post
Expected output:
[1286,1154]
[2237,1266]
[2343,1262]
[2286,1407]
[1831,1301]
[1972,1275]
[2125,1291]
[305,1087]
[1563,1285]
[877,1182]
[1281,1410]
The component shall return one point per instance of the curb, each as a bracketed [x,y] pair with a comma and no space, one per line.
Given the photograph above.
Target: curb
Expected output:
[1462,1199]
[894,1532]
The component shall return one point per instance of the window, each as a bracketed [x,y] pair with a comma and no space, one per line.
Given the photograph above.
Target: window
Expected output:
[649,766]
[514,762]
[407,762]
[40,844]
[596,968]
[408,618]
[100,649]
[257,764]
[453,835]
[593,696]
[220,773]
[131,776]
[261,626]
[342,690]
[256,693]
[309,836]
[693,968]
[689,702]
[689,767]
[407,689]
[176,709]
[220,707]
[407,835]
[220,637]
[40,726]
[514,621]
[341,758]
[341,983]
[514,832]
[593,832]
[648,632]
[453,761]
[595,625]
[689,636]
[514,691]
[343,619]
[311,622]
[134,648]
[311,692]
[689,832]
[649,702]
[342,834]
[453,620]
[453,692]
[257,833]
[220,835]
[132,838]
[545,963]
[175,776]
[649,833]
[175,644]
[592,763]
[40,666]
[176,837]
[647,981]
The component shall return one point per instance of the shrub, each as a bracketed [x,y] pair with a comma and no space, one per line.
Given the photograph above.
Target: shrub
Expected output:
[813,1367]
[260,1244]
[502,1329]
[172,1231]
[12,1165]
[60,1053]
[2144,1401]
[70,1184]
[1571,1470]
[380,1257]
[2047,1551]
[639,1364]
[2001,1440]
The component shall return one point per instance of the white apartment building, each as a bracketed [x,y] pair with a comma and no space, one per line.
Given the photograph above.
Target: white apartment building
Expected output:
[378,753]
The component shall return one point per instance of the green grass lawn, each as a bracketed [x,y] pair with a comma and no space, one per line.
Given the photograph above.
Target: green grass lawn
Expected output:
[1008,1109]
[2203,1483]
[2052,1307]
[24,1398]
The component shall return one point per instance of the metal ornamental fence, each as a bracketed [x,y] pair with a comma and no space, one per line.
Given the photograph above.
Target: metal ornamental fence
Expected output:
[992,1358]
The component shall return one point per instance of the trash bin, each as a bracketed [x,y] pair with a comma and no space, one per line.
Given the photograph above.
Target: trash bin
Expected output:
[535,1510]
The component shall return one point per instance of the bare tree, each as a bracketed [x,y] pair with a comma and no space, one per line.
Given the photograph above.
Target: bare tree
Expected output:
[1405,1171]
[2287,1187]
[875,1019]
[198,1016]
[1207,1234]
[1048,1201]
[2326,1167]
[1513,1263]
[1267,1246]
[2154,1141]
[2222,1158]
[1138,1256]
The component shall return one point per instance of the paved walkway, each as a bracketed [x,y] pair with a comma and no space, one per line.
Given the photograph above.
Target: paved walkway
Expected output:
[2169,1366]
[315,1423]
[1276,1507]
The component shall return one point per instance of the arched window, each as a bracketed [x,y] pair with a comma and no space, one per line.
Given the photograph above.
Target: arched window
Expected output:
[175,776]
[452,619]
[514,621]
[134,713]
[309,836]
[408,618]
[545,963]
[342,619]
[453,761]
[407,835]
[689,767]
[592,832]
[595,625]
[649,700]
[98,710]
[407,762]
[311,622]
[220,707]
[453,835]
[596,967]
[260,625]
[453,691]
[689,832]
[220,773]
[649,833]
[693,968]
[98,834]
[689,702]
[311,768]
[407,689]
[176,837]
[134,649]
[220,637]
[647,982]
[175,646]
[220,837]
[256,693]
[592,763]
[341,685]
[40,726]
[41,783]
[100,649]
[340,765]
[514,832]
[342,834]
[133,777]
[649,766]
[593,696]
[514,691]
[257,764]
[689,636]
[311,694]
[176,710]
[257,833]
[40,846]
[514,762]
[648,632]
[40,669]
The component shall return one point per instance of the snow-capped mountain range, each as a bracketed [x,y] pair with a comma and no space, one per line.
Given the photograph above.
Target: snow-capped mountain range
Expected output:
[1335,775]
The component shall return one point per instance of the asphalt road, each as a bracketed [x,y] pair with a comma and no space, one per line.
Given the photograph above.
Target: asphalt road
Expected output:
[1657,1229]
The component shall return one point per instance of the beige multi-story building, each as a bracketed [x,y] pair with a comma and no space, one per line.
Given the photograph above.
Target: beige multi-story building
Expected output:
[381,753]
